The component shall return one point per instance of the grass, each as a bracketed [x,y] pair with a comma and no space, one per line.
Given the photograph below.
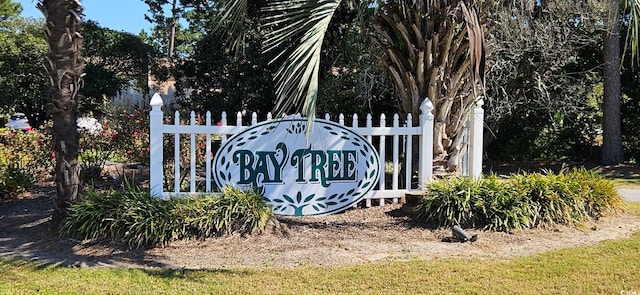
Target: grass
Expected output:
[627,182]
[605,268]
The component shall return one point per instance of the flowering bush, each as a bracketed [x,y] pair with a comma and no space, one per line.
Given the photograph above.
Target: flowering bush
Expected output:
[24,158]
[134,134]
[98,142]
[90,125]
[119,136]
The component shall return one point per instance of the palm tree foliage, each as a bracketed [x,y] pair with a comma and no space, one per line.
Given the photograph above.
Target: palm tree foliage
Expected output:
[296,28]
[633,37]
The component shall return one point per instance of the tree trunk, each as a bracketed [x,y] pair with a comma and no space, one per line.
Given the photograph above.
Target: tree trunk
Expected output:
[433,52]
[611,128]
[172,33]
[65,68]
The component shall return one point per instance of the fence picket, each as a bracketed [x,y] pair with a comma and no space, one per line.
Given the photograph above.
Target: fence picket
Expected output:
[396,160]
[369,125]
[176,156]
[354,125]
[408,153]
[207,169]
[383,161]
[223,122]
[193,159]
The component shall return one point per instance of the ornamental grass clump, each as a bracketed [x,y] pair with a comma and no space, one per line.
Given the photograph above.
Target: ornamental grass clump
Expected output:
[134,217]
[456,201]
[504,208]
[554,198]
[234,211]
[524,200]
[600,194]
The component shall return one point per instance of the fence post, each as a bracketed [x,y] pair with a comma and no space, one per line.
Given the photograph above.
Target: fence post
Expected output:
[426,144]
[475,140]
[156,117]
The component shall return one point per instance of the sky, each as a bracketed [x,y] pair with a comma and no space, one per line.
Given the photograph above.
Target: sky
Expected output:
[120,15]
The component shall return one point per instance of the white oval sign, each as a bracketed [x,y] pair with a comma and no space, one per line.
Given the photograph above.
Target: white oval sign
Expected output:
[326,173]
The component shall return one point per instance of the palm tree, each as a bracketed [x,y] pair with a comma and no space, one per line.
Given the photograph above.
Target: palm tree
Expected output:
[431,48]
[435,50]
[65,66]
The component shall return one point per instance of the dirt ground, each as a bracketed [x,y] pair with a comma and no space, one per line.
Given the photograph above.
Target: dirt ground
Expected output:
[356,236]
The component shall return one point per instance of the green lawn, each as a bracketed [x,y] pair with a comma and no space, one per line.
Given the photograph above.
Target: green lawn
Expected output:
[606,268]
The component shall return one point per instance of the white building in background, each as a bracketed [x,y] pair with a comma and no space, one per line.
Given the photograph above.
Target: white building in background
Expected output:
[132,99]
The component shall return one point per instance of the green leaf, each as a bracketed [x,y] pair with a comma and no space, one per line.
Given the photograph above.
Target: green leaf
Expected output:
[289,199]
[222,176]
[309,198]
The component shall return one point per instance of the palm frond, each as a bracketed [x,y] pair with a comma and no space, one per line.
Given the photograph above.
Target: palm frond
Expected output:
[230,18]
[476,44]
[633,7]
[299,27]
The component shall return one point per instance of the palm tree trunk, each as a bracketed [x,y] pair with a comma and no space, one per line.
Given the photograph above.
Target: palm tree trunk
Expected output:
[431,55]
[65,68]
[611,126]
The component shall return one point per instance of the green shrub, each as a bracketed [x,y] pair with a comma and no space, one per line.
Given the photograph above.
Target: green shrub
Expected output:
[136,218]
[504,207]
[521,201]
[117,135]
[24,158]
[233,211]
[600,194]
[14,181]
[133,133]
[555,199]
[450,202]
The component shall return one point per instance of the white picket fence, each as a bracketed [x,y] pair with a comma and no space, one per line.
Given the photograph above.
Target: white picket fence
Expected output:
[401,135]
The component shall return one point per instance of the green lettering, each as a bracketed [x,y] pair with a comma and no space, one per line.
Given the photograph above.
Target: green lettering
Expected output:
[341,165]
[349,159]
[244,158]
[253,167]
[277,167]
[333,165]
[297,160]
[318,161]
